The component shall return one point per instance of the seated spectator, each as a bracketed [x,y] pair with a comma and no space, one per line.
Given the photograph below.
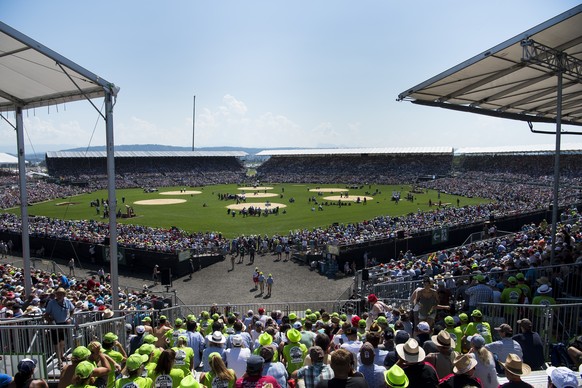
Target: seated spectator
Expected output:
[531,345]
[515,369]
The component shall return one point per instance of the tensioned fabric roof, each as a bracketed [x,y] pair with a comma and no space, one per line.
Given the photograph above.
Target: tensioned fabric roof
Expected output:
[145,154]
[498,83]
[568,148]
[32,75]
[357,151]
[8,159]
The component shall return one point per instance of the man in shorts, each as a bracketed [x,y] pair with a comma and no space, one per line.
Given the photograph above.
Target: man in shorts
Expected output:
[59,311]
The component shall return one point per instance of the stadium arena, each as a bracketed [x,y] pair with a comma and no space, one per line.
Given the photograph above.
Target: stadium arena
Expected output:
[497,266]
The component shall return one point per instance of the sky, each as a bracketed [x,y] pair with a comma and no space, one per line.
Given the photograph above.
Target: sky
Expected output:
[270,74]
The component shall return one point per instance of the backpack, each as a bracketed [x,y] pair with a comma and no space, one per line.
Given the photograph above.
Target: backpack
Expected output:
[559,356]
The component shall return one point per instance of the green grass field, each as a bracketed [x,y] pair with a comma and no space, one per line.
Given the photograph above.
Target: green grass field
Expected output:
[205,212]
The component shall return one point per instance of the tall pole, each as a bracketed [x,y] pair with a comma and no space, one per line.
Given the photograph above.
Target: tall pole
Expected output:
[23,201]
[556,168]
[193,121]
[112,200]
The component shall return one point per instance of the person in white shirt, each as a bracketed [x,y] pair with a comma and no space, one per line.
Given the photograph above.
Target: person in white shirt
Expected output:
[237,356]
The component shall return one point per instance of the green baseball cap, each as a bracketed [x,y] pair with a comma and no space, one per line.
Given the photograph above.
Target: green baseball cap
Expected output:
[81,353]
[84,369]
[110,337]
[135,361]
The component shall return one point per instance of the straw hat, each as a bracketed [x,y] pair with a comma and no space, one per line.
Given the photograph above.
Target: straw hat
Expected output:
[443,339]
[410,351]
[514,365]
[464,363]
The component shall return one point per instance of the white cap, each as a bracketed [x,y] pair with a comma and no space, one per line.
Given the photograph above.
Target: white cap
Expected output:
[562,377]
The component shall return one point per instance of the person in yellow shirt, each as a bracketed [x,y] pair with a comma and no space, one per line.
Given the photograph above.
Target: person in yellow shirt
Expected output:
[454,331]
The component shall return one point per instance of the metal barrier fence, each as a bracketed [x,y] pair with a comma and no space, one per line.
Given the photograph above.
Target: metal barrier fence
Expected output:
[554,323]
[562,278]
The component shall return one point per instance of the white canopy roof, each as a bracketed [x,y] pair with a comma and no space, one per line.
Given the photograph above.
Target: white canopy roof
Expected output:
[32,75]
[358,151]
[8,159]
[145,154]
[499,82]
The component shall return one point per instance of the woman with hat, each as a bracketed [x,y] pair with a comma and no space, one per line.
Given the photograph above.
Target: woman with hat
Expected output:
[410,359]
[132,373]
[83,375]
[485,369]
[24,377]
[463,373]
[443,360]
[515,369]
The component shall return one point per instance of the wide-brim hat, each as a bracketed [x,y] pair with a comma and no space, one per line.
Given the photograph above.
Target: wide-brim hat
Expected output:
[395,377]
[514,365]
[443,339]
[410,351]
[464,363]
[216,337]
[544,289]
[293,335]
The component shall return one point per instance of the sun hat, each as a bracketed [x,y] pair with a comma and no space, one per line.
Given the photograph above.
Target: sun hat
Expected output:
[178,322]
[562,377]
[149,339]
[297,325]
[355,320]
[520,276]
[463,317]
[381,320]
[261,310]
[449,321]
[544,289]
[135,361]
[477,313]
[293,335]
[543,280]
[367,354]
[504,328]
[189,382]
[84,369]
[476,340]
[81,353]
[361,323]
[372,298]
[292,316]
[255,364]
[316,354]
[265,339]
[146,319]
[512,280]
[410,351]
[464,363]
[163,317]
[212,355]
[443,339]
[60,290]
[236,340]
[110,337]
[26,366]
[216,337]
[146,349]
[140,329]
[267,352]
[514,365]
[395,377]
[423,327]
[480,278]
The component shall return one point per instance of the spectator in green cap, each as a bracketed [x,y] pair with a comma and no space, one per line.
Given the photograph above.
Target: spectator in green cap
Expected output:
[80,354]
[83,375]
[219,375]
[511,294]
[521,283]
[114,349]
[132,373]
[294,352]
[454,331]
[184,355]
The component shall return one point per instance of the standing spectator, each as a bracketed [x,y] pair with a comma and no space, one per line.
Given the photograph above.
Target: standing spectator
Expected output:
[444,359]
[515,369]
[506,345]
[132,373]
[269,282]
[317,371]
[195,341]
[531,345]
[485,369]
[191,263]
[294,352]
[353,344]
[479,292]
[253,377]
[156,274]
[72,267]
[166,373]
[215,344]
[59,311]
[237,355]
[463,373]
[219,375]
[24,377]
[272,367]
[411,359]
[374,374]
[342,363]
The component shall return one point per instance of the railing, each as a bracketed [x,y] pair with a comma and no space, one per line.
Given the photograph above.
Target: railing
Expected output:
[554,323]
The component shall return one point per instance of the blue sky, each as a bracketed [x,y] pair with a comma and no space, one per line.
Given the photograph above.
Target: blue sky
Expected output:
[270,73]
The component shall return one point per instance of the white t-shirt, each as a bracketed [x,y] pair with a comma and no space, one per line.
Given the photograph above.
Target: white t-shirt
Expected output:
[236,359]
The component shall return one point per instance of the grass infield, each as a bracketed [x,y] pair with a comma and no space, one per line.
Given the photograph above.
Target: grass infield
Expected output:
[206,212]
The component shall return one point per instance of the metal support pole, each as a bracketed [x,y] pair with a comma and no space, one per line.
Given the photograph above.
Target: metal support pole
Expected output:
[112,201]
[556,167]
[193,121]
[23,201]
